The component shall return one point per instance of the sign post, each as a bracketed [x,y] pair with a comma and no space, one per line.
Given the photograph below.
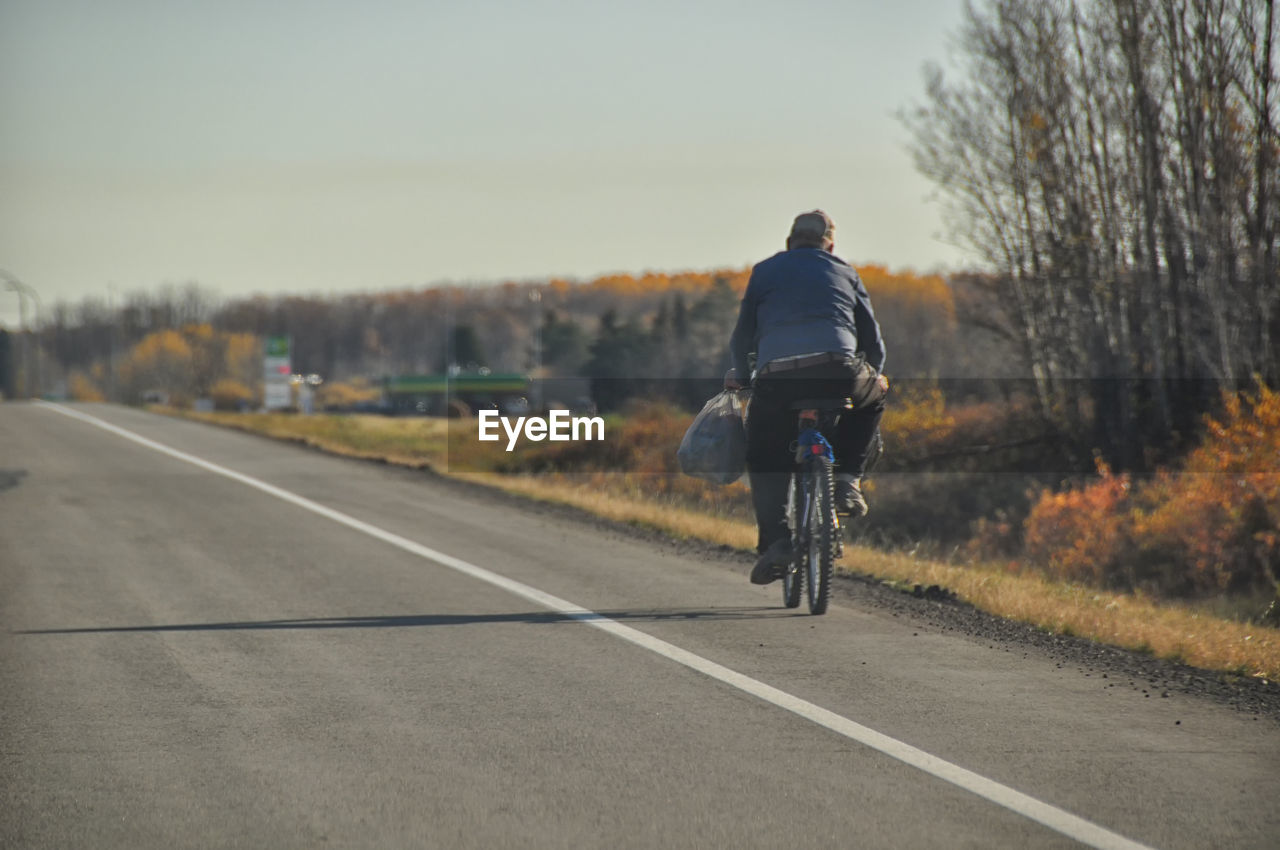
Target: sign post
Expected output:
[276,391]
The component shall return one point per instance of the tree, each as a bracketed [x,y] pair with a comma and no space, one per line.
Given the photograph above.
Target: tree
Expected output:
[464,348]
[1114,164]
[617,363]
[565,346]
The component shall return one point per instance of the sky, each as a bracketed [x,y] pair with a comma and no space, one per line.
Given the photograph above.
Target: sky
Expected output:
[281,146]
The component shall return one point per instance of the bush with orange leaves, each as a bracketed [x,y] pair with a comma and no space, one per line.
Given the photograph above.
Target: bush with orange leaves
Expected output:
[1211,526]
[1082,534]
[1218,519]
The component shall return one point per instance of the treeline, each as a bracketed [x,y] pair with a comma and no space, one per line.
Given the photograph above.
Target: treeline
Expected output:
[650,335]
[1116,164]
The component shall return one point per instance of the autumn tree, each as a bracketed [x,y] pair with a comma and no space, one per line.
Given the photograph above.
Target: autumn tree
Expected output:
[1114,163]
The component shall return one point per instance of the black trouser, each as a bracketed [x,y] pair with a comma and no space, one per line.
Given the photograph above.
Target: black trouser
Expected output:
[771,433]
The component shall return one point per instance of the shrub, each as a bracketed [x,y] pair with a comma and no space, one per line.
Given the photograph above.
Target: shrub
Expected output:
[1080,534]
[81,388]
[1209,527]
[228,394]
[1218,518]
[340,395]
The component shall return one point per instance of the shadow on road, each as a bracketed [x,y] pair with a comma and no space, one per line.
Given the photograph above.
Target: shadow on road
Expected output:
[11,478]
[419,620]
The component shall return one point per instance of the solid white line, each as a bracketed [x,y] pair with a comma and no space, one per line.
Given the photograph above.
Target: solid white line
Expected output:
[1059,820]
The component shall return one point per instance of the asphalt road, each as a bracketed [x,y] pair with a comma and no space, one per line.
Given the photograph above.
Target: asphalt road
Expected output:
[282,649]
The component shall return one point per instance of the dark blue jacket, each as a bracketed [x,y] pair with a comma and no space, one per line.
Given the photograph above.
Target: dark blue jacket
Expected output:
[804,301]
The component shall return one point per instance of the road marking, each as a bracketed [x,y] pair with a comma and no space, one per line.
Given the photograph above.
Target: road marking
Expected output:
[1058,820]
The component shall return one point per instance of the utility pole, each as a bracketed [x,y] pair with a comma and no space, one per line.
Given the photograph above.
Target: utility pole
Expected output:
[30,344]
[535,385]
[111,356]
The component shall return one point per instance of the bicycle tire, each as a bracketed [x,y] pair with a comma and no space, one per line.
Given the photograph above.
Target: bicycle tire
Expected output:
[819,553]
[793,578]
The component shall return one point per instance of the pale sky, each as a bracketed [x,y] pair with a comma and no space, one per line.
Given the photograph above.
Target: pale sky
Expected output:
[320,147]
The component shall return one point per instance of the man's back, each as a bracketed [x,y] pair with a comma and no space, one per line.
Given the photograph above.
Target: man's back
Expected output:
[805,301]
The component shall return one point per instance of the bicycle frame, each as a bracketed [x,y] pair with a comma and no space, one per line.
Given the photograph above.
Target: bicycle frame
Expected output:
[815,527]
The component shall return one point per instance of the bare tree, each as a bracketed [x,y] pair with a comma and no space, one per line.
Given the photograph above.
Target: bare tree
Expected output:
[1115,164]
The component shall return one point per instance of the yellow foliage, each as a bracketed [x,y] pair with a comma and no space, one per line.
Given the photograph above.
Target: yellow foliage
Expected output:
[82,388]
[194,361]
[243,357]
[918,418]
[160,347]
[229,394]
[339,394]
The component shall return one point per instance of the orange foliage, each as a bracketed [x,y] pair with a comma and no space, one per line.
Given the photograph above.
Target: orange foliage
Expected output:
[660,282]
[1079,535]
[1220,516]
[907,287]
[928,292]
[1211,526]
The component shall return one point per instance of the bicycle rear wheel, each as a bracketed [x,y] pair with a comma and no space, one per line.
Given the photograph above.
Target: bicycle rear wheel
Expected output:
[819,533]
[793,578]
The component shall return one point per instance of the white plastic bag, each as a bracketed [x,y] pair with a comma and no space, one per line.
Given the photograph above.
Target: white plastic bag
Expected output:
[715,446]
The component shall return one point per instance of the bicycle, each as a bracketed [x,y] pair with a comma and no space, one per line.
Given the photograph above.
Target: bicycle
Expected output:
[816,540]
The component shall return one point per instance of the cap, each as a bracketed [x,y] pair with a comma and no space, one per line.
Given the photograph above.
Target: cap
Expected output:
[815,226]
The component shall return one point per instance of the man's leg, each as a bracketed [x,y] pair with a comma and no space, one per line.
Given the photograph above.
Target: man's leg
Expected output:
[769,462]
[855,438]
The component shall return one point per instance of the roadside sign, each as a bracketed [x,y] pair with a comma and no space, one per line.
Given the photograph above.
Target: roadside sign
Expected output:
[275,358]
[276,370]
[277,395]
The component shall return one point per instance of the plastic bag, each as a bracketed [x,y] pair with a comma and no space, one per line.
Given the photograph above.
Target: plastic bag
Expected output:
[715,446]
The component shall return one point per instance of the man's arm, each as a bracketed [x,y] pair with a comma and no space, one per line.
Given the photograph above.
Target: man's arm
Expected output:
[870,342]
[744,336]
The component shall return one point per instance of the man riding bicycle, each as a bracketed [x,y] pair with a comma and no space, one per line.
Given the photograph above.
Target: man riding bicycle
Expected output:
[806,321]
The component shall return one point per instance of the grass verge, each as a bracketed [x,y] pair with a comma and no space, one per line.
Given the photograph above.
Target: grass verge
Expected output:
[1163,629]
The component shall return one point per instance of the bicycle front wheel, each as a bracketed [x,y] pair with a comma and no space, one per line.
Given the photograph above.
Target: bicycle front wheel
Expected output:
[820,531]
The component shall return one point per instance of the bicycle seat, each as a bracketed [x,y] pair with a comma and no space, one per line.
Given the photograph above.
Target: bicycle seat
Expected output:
[823,404]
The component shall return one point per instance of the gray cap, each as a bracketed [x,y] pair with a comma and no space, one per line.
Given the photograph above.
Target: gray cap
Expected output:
[814,226]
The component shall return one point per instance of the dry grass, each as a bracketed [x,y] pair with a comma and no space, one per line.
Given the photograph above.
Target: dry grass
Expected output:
[415,442]
[585,494]
[1162,629]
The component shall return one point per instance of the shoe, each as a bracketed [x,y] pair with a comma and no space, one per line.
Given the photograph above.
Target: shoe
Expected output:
[849,499]
[772,562]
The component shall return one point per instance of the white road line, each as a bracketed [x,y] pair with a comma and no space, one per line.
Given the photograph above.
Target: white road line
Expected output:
[1059,820]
